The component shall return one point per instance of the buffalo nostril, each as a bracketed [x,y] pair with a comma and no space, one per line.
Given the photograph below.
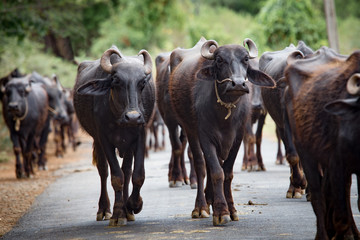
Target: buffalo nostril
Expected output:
[13,106]
[132,116]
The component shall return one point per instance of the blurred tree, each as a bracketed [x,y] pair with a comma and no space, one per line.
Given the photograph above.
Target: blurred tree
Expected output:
[347,8]
[63,26]
[248,6]
[140,24]
[287,21]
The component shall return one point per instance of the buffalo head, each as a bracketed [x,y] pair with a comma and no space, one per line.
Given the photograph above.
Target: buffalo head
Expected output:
[16,91]
[230,67]
[127,78]
[348,107]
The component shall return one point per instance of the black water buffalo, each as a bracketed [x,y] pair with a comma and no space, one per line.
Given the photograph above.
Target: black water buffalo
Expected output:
[25,110]
[56,108]
[324,120]
[177,171]
[114,98]
[208,93]
[65,126]
[154,127]
[274,63]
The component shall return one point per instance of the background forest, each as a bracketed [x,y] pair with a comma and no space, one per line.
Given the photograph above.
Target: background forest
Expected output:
[50,36]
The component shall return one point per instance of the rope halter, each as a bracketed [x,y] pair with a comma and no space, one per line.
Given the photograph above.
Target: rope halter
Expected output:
[228,106]
[19,119]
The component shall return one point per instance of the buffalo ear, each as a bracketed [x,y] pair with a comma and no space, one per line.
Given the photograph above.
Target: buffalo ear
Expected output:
[343,107]
[95,87]
[206,73]
[260,78]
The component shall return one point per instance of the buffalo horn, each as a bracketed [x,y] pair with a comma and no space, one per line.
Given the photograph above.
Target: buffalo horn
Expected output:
[28,87]
[105,59]
[353,84]
[293,56]
[205,49]
[2,88]
[253,51]
[147,61]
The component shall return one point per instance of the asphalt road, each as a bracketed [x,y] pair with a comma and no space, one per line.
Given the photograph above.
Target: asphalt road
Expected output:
[67,208]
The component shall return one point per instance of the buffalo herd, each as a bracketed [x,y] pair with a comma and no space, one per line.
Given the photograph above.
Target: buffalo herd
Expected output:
[208,96]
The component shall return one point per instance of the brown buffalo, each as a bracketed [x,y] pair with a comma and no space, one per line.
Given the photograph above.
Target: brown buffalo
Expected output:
[324,120]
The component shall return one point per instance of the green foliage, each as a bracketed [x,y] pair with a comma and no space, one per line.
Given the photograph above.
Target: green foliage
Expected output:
[138,24]
[287,21]
[28,57]
[349,41]
[347,8]
[229,27]
[246,6]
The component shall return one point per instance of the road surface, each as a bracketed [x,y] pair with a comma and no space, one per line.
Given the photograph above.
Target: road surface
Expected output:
[67,208]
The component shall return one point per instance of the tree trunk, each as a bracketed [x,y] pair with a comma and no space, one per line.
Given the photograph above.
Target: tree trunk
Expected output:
[60,46]
[331,24]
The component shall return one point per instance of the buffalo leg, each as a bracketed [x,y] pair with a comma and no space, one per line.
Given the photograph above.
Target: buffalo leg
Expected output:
[126,168]
[221,214]
[279,155]
[183,140]
[258,136]
[103,170]
[117,182]
[297,178]
[175,174]
[135,202]
[317,195]
[193,181]
[228,174]
[201,209]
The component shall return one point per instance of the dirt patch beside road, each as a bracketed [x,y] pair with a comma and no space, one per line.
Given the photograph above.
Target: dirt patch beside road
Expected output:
[16,196]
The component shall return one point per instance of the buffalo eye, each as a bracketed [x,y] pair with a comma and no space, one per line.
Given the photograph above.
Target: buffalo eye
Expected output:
[246,59]
[21,92]
[142,84]
[219,59]
[116,82]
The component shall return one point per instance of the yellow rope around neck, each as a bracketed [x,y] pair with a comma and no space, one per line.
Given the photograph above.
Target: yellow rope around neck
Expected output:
[19,119]
[228,106]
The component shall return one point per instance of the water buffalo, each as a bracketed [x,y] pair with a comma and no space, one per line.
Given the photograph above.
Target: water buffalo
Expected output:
[274,63]
[208,93]
[25,110]
[65,126]
[177,171]
[324,118]
[114,98]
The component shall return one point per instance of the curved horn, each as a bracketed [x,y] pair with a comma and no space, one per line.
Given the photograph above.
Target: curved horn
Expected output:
[2,88]
[253,51]
[205,49]
[105,59]
[353,84]
[293,56]
[147,61]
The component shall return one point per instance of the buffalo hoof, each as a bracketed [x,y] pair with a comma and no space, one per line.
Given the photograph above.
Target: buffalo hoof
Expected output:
[101,216]
[289,194]
[294,193]
[222,220]
[243,167]
[235,216]
[117,222]
[187,181]
[130,217]
[202,214]
[19,174]
[193,186]
[175,184]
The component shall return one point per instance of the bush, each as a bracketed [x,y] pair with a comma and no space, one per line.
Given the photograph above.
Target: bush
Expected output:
[288,21]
